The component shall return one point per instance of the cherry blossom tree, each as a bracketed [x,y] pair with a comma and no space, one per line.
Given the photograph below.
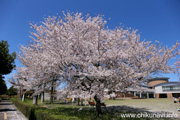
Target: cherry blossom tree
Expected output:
[37,70]
[177,64]
[92,57]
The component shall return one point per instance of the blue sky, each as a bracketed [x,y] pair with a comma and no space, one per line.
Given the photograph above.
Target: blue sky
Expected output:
[155,19]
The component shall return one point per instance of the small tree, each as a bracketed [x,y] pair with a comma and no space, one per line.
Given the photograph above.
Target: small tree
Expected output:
[3,87]
[6,59]
[7,64]
[12,91]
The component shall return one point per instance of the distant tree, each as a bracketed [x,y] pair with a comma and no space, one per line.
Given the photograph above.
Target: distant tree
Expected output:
[29,93]
[3,87]
[7,63]
[12,91]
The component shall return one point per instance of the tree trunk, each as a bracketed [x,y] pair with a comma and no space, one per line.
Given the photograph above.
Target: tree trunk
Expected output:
[20,93]
[35,100]
[98,105]
[39,96]
[78,101]
[42,97]
[42,94]
[81,102]
[23,97]
[72,101]
[51,99]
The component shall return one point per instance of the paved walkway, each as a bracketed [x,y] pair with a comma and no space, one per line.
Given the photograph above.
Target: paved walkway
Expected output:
[9,112]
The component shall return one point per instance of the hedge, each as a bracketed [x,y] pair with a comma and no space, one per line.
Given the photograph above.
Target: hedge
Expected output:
[33,112]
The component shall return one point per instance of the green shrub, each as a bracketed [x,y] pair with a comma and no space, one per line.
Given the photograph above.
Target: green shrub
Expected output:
[27,110]
[4,97]
[33,112]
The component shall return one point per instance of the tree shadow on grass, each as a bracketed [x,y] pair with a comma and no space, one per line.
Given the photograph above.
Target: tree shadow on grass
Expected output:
[110,112]
[124,108]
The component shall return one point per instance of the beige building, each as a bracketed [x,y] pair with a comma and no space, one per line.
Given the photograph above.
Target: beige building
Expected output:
[163,88]
[156,88]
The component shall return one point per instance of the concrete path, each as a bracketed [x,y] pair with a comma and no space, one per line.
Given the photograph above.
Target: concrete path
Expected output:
[9,112]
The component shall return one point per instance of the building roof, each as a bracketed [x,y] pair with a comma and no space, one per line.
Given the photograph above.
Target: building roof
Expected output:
[168,84]
[159,78]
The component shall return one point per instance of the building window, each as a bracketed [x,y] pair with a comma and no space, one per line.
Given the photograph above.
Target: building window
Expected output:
[171,88]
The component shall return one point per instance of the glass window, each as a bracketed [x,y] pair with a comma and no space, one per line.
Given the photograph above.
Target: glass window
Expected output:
[171,88]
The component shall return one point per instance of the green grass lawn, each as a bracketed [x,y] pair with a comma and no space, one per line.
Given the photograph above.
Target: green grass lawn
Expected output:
[137,101]
[113,112]
[162,104]
[56,104]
